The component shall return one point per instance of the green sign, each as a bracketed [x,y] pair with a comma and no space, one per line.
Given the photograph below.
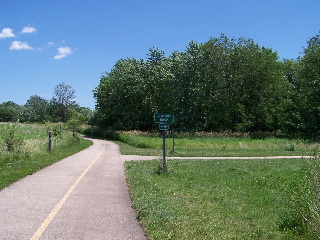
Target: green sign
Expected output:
[163,117]
[164,126]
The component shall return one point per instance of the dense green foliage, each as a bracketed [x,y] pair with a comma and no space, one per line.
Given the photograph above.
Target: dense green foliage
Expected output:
[9,111]
[308,87]
[222,84]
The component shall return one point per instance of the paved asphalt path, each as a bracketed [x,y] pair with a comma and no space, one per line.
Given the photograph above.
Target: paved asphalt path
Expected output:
[84,196]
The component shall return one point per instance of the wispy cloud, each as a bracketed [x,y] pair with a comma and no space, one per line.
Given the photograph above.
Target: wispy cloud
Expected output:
[28,29]
[17,45]
[63,52]
[51,44]
[6,33]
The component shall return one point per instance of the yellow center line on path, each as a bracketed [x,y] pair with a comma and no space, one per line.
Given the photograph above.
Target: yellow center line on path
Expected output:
[56,209]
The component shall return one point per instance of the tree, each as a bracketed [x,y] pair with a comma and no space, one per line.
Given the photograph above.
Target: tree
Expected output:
[128,96]
[121,96]
[291,121]
[197,78]
[228,84]
[10,111]
[63,102]
[87,112]
[308,87]
[223,84]
[76,120]
[257,87]
[35,110]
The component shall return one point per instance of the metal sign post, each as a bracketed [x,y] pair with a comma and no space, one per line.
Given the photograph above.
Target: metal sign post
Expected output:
[164,119]
[164,161]
[172,141]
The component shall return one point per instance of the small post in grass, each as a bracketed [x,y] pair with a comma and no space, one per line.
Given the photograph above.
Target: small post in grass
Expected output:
[60,132]
[50,141]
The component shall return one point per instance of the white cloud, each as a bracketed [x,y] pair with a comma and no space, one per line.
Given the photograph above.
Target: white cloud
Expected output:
[29,30]
[7,32]
[63,52]
[51,44]
[17,45]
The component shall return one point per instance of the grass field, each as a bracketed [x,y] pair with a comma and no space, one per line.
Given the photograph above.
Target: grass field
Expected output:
[212,145]
[220,199]
[30,152]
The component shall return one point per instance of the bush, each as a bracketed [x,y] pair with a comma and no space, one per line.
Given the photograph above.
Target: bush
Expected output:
[12,140]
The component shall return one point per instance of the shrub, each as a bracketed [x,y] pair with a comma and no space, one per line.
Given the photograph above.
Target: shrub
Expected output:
[12,139]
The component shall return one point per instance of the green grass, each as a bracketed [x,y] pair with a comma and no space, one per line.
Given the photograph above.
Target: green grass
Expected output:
[33,154]
[223,199]
[212,145]
[218,199]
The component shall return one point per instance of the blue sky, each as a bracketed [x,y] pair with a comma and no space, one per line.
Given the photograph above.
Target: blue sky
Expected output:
[46,42]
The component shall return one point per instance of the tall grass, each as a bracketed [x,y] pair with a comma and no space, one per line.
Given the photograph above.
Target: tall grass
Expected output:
[208,144]
[314,185]
[32,153]
[305,203]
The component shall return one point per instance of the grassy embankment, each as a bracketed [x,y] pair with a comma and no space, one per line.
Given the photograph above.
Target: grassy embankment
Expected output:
[223,199]
[24,149]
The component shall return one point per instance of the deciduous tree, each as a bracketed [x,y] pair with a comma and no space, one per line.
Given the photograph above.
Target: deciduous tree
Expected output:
[308,87]
[63,102]
[35,110]
[10,111]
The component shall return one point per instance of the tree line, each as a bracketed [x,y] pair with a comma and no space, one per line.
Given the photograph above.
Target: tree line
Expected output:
[220,85]
[60,108]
